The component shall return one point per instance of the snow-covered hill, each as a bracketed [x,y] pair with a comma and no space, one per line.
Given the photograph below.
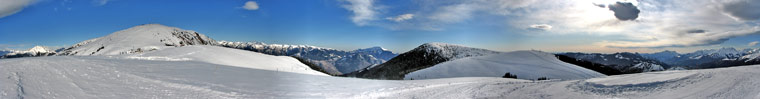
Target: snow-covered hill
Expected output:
[105,77]
[333,61]
[229,57]
[138,39]
[422,57]
[32,52]
[523,64]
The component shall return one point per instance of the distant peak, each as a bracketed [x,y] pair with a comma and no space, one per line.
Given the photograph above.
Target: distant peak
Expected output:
[38,49]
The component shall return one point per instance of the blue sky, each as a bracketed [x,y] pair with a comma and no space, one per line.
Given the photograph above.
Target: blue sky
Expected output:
[399,25]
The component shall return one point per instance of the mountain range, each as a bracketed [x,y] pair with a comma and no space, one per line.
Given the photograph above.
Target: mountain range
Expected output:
[424,56]
[380,63]
[333,61]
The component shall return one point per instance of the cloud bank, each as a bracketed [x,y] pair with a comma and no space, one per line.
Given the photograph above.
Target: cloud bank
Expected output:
[627,23]
[753,43]
[10,7]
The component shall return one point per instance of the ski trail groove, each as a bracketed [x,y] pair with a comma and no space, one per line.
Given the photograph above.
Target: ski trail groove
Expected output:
[19,87]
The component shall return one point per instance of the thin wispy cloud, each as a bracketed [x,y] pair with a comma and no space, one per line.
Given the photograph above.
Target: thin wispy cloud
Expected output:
[101,2]
[363,10]
[400,18]
[540,27]
[753,43]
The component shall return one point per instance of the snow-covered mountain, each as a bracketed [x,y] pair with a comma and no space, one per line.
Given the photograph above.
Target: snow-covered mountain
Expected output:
[529,65]
[333,61]
[710,58]
[148,37]
[623,62]
[703,56]
[661,55]
[32,52]
[422,57]
[377,52]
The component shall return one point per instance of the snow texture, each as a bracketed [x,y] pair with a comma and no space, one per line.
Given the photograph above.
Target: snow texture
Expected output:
[107,77]
[523,64]
[229,57]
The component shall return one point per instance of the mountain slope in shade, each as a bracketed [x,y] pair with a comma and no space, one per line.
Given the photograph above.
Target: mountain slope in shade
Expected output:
[529,65]
[333,61]
[229,57]
[623,62]
[32,52]
[138,39]
[422,57]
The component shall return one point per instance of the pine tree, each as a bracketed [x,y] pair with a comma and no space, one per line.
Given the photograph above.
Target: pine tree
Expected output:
[508,75]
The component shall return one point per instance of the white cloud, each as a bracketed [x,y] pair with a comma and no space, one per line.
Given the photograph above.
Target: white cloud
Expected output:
[10,7]
[659,23]
[364,11]
[251,5]
[400,18]
[454,13]
[100,2]
[753,43]
[540,27]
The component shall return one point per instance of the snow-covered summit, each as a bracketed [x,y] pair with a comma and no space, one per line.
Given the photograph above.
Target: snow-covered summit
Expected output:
[138,39]
[716,53]
[40,49]
[453,51]
[31,52]
[523,64]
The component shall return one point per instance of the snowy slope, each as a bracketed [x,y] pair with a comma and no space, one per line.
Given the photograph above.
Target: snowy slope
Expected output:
[138,39]
[107,77]
[227,56]
[523,64]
